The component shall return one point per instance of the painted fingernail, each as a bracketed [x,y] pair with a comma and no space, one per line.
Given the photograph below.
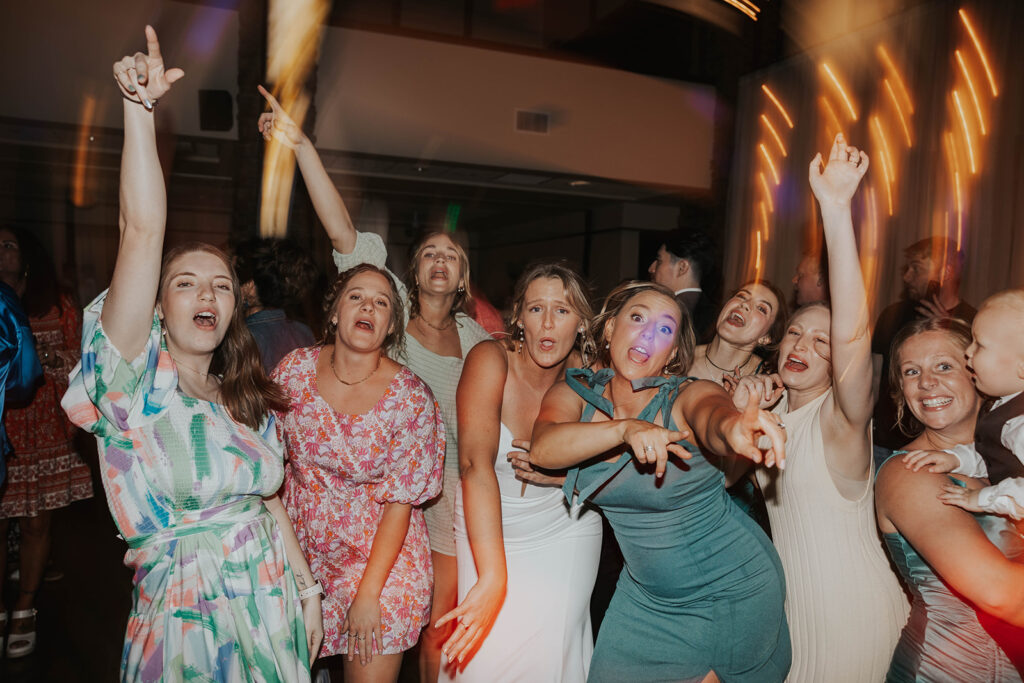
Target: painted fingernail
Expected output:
[149,105]
[131,88]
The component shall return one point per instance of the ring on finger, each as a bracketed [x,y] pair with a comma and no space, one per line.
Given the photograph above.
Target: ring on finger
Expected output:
[648,448]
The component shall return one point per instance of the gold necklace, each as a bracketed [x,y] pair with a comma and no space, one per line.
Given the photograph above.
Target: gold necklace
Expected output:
[358,381]
[442,328]
[202,374]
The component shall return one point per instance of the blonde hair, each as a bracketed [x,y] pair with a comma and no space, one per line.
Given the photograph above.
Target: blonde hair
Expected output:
[462,296]
[617,300]
[575,290]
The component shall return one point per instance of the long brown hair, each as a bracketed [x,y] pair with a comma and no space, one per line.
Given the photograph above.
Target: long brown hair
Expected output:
[394,341]
[617,300]
[462,295]
[575,289]
[959,333]
[248,394]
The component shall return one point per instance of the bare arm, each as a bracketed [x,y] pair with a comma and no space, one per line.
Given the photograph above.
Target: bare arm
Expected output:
[951,541]
[363,618]
[479,400]
[850,333]
[312,615]
[128,310]
[329,206]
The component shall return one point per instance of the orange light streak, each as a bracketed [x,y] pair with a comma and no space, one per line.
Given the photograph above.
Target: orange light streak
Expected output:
[967,133]
[771,129]
[974,93]
[870,251]
[742,7]
[771,164]
[778,105]
[899,112]
[757,259]
[79,179]
[981,53]
[959,210]
[887,171]
[842,91]
[767,192]
[833,119]
[764,218]
[883,54]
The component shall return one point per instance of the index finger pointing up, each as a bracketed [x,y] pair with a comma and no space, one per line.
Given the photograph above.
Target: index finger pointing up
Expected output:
[274,104]
[152,44]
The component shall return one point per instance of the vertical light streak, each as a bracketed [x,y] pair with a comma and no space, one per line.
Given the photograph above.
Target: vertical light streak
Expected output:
[778,105]
[887,169]
[771,129]
[767,191]
[78,182]
[959,210]
[833,119]
[967,133]
[771,164]
[899,113]
[870,250]
[757,259]
[981,53]
[764,219]
[974,93]
[883,54]
[842,91]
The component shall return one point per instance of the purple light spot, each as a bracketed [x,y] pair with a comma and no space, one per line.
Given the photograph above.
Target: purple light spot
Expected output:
[206,30]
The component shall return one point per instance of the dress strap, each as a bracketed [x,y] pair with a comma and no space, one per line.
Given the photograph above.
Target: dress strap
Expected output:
[589,385]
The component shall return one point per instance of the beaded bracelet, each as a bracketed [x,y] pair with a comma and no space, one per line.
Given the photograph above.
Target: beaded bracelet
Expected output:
[315,589]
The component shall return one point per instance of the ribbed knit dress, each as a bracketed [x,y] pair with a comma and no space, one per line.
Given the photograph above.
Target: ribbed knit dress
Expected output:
[843,601]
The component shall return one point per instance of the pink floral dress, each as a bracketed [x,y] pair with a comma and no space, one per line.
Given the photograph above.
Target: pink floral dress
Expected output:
[341,470]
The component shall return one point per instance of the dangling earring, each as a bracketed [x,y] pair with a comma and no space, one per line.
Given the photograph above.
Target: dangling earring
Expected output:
[607,345]
[522,337]
[461,289]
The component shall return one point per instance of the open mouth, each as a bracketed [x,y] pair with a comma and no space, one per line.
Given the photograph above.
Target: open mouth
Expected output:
[546,344]
[934,403]
[794,364]
[639,354]
[365,325]
[439,274]
[207,319]
[736,319]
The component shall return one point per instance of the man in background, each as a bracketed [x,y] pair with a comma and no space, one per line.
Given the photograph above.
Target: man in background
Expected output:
[685,260]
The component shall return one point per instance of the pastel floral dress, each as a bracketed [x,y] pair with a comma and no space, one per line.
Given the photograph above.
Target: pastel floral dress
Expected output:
[214,596]
[341,471]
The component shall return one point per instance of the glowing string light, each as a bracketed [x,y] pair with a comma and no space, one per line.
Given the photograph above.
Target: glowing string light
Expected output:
[764,219]
[771,164]
[771,129]
[967,133]
[981,53]
[830,113]
[842,91]
[959,210]
[883,54]
[886,161]
[757,260]
[767,192]
[778,105]
[899,113]
[974,93]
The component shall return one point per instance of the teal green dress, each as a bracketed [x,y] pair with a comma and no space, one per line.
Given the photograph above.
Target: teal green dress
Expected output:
[943,639]
[702,588]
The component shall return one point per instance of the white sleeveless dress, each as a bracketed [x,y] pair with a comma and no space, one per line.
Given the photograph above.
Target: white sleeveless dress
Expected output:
[542,632]
[843,599]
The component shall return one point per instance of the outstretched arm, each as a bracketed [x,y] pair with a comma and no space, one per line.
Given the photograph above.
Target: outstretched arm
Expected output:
[850,335]
[330,208]
[128,310]
[479,400]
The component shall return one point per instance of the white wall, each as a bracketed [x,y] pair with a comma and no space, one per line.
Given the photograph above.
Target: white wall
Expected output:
[400,96]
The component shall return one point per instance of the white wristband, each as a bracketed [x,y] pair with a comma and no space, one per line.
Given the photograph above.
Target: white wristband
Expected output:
[315,589]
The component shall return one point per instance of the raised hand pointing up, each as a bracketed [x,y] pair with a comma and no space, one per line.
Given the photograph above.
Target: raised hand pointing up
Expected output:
[142,77]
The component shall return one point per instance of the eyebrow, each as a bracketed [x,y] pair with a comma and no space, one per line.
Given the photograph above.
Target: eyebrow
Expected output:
[186,273]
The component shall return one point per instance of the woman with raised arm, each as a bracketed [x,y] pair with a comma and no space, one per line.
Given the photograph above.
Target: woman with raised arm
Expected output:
[438,337]
[844,602]
[365,445]
[955,563]
[701,594]
[510,519]
[170,382]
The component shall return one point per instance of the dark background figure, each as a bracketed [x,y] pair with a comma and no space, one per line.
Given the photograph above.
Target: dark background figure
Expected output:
[810,282]
[278,279]
[687,263]
[45,470]
[932,270]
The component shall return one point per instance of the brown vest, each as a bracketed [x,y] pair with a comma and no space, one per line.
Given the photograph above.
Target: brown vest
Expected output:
[1000,460]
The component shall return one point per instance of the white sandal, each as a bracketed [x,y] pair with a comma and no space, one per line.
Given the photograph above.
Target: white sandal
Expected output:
[26,641]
